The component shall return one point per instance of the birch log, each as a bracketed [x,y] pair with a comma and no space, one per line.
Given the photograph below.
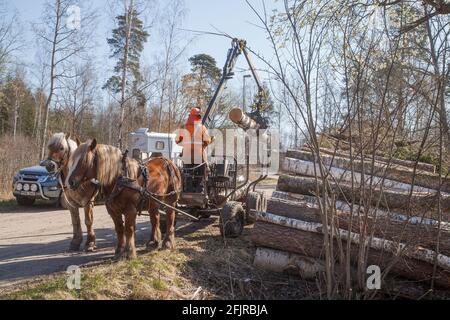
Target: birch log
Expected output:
[309,168]
[243,120]
[306,239]
[389,227]
[286,262]
[389,199]
[378,212]
[406,163]
[393,171]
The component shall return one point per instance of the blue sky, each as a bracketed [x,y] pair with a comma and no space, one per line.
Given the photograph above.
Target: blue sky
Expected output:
[233,17]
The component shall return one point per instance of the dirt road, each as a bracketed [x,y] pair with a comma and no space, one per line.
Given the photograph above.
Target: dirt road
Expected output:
[34,241]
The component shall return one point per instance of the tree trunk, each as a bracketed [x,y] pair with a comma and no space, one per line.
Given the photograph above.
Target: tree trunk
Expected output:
[379,212]
[390,199]
[390,227]
[339,153]
[440,84]
[58,17]
[392,172]
[306,168]
[128,13]
[290,263]
[16,111]
[310,244]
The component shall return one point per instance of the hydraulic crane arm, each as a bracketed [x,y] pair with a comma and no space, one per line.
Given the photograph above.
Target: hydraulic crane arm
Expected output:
[237,47]
[253,70]
[227,73]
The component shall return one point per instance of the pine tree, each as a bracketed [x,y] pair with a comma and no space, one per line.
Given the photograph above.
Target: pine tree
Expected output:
[199,86]
[127,43]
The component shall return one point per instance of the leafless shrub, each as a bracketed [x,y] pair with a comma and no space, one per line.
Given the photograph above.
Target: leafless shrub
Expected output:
[343,67]
[14,156]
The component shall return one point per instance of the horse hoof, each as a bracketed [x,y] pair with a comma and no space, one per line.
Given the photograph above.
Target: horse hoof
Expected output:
[120,256]
[131,255]
[168,245]
[74,247]
[152,245]
[90,247]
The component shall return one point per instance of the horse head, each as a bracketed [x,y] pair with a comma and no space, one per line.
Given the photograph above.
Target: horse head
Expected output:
[82,164]
[59,147]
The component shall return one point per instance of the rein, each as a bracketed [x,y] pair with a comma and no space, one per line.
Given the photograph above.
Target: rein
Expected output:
[124,181]
[63,187]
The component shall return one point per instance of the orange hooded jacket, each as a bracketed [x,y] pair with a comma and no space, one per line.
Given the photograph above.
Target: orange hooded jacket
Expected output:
[194,138]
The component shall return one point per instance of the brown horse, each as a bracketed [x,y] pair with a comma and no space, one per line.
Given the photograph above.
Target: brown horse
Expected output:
[60,148]
[105,164]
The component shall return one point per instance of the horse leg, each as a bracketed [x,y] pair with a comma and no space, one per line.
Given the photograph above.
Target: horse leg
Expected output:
[130,228]
[155,237]
[118,224]
[77,237]
[89,221]
[169,239]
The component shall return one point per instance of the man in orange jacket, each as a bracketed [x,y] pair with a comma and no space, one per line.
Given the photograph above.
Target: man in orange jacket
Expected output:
[194,139]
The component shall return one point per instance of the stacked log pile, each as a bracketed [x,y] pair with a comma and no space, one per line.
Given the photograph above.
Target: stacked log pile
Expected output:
[386,205]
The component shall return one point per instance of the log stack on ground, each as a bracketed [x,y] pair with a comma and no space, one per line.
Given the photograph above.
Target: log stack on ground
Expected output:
[392,216]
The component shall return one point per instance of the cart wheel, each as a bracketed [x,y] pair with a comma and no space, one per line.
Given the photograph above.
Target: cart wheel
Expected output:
[232,219]
[25,201]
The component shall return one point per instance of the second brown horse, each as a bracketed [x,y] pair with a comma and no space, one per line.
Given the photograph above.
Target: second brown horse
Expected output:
[104,163]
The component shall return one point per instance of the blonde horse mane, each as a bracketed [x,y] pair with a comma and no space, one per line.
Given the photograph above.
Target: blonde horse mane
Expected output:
[59,139]
[109,162]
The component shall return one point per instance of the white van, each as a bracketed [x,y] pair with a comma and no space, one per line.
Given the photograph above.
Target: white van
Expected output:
[144,144]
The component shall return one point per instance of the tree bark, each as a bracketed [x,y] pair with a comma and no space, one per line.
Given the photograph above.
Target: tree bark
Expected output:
[306,168]
[340,153]
[440,84]
[310,244]
[389,199]
[129,18]
[58,16]
[290,263]
[389,227]
[379,212]
[392,172]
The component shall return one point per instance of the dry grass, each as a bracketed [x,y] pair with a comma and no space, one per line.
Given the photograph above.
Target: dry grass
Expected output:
[15,154]
[223,270]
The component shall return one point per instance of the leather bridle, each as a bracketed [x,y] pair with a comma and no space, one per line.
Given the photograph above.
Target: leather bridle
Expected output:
[60,174]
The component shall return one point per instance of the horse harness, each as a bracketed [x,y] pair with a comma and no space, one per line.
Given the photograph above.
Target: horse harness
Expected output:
[124,181]
[59,172]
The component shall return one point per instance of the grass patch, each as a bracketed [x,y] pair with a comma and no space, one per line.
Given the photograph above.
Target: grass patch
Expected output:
[159,284]
[7,205]
[47,289]
[223,270]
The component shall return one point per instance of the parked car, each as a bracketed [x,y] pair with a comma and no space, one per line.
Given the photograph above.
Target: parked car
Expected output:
[36,182]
